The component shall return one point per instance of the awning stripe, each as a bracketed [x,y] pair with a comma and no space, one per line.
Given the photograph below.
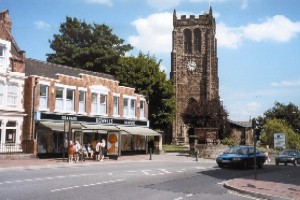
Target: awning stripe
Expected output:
[139,131]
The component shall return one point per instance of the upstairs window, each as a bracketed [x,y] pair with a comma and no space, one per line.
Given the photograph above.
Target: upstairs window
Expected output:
[70,100]
[132,107]
[2,51]
[142,109]
[103,104]
[116,105]
[94,102]
[12,95]
[126,107]
[82,101]
[59,101]
[44,96]
[1,93]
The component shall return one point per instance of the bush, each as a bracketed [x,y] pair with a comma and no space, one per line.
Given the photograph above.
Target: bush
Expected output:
[228,141]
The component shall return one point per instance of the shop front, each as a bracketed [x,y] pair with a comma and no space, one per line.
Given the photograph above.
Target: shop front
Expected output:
[53,131]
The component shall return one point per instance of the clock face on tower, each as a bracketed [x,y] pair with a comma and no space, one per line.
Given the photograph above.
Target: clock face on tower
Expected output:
[191,65]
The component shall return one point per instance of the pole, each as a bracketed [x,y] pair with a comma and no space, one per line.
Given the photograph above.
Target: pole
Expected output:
[150,153]
[254,139]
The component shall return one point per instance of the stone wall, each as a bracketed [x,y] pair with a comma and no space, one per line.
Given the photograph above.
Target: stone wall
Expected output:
[209,151]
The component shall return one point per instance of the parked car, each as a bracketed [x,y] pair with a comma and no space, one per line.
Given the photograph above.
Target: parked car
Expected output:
[288,156]
[241,156]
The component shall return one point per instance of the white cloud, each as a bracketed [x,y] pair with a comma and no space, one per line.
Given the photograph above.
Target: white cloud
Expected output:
[163,4]
[244,5]
[276,29]
[228,37]
[154,33]
[286,84]
[103,2]
[41,25]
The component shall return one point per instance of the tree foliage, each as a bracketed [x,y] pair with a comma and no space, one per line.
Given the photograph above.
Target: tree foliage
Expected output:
[87,46]
[272,126]
[143,73]
[204,114]
[288,113]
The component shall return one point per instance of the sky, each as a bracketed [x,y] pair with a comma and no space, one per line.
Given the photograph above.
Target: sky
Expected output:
[258,40]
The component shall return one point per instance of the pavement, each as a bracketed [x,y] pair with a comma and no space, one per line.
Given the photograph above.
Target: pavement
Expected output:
[281,183]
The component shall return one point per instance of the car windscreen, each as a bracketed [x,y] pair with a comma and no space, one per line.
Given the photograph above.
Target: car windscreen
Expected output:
[288,152]
[238,150]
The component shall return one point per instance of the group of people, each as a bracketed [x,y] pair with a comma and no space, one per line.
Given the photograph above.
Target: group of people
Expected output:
[79,152]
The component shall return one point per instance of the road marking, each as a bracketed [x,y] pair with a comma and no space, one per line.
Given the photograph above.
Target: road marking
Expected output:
[179,198]
[87,185]
[189,195]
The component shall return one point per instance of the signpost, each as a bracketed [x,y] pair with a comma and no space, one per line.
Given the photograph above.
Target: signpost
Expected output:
[279,140]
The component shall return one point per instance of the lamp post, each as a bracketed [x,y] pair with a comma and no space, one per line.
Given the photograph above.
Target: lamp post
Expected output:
[33,109]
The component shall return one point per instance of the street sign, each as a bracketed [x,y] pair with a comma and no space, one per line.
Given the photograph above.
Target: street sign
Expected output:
[279,140]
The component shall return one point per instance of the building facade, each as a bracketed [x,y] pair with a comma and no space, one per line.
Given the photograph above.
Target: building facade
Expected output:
[12,65]
[194,65]
[93,103]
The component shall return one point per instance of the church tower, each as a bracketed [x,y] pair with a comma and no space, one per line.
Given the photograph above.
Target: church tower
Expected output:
[194,65]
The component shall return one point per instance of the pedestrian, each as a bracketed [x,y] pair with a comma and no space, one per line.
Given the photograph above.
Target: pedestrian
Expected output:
[89,150]
[71,152]
[77,148]
[102,149]
[268,160]
[97,150]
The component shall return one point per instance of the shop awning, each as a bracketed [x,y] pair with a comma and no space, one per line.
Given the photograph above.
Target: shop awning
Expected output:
[59,126]
[139,130]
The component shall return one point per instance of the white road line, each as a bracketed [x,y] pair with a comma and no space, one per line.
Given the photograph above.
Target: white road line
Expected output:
[179,198]
[189,195]
[87,185]
[165,171]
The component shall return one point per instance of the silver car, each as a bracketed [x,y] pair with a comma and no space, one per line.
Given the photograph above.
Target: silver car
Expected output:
[288,156]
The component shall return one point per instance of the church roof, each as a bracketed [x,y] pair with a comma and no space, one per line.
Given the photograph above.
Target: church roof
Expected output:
[245,124]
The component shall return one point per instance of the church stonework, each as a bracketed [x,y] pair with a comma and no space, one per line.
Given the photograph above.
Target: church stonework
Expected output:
[194,65]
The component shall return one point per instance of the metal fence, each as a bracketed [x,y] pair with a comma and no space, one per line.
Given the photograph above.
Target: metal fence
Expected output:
[10,148]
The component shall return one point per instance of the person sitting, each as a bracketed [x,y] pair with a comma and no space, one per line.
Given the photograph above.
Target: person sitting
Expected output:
[90,151]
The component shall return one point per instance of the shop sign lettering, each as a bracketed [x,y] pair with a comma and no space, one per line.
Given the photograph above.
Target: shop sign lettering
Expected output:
[104,120]
[71,118]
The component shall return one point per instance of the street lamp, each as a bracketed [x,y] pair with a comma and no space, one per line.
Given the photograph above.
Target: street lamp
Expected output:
[33,109]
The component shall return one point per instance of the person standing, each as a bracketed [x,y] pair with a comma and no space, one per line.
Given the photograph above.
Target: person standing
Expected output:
[71,152]
[102,149]
[77,149]
[97,150]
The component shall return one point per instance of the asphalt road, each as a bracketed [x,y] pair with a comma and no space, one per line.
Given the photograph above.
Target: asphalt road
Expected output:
[167,180]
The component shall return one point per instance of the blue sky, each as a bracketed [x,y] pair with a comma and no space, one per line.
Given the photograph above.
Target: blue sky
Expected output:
[258,40]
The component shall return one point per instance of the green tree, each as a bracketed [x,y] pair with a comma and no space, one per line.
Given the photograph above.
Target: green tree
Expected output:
[289,113]
[87,46]
[272,126]
[143,73]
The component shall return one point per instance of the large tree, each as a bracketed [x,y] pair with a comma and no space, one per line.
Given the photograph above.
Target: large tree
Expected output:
[206,114]
[288,113]
[143,73]
[87,46]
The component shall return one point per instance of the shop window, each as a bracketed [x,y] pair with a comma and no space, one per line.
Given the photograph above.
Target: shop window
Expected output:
[102,104]
[59,98]
[1,93]
[0,132]
[116,105]
[12,95]
[70,100]
[10,132]
[82,101]
[44,96]
[94,102]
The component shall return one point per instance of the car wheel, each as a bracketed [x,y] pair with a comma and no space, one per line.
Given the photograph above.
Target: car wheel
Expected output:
[277,163]
[260,164]
[220,165]
[295,162]
[285,164]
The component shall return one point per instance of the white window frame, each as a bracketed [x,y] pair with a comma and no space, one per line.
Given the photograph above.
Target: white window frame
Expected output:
[82,102]
[142,108]
[62,104]
[116,104]
[2,50]
[99,108]
[128,112]
[12,95]
[2,96]
[43,105]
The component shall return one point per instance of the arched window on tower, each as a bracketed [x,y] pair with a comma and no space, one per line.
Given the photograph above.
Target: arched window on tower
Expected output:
[197,40]
[187,41]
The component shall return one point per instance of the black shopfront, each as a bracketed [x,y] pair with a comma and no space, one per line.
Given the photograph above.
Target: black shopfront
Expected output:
[53,130]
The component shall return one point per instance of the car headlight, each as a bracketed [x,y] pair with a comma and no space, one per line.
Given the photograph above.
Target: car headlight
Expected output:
[236,158]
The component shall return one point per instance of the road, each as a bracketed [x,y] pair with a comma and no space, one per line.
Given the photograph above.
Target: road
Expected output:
[167,180]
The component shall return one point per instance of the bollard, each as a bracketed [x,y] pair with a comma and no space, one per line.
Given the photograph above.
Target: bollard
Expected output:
[150,151]
[196,152]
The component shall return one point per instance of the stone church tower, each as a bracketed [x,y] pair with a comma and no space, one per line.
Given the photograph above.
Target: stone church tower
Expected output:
[194,65]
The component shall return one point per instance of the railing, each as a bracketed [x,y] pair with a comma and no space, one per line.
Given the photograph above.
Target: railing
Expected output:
[10,148]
